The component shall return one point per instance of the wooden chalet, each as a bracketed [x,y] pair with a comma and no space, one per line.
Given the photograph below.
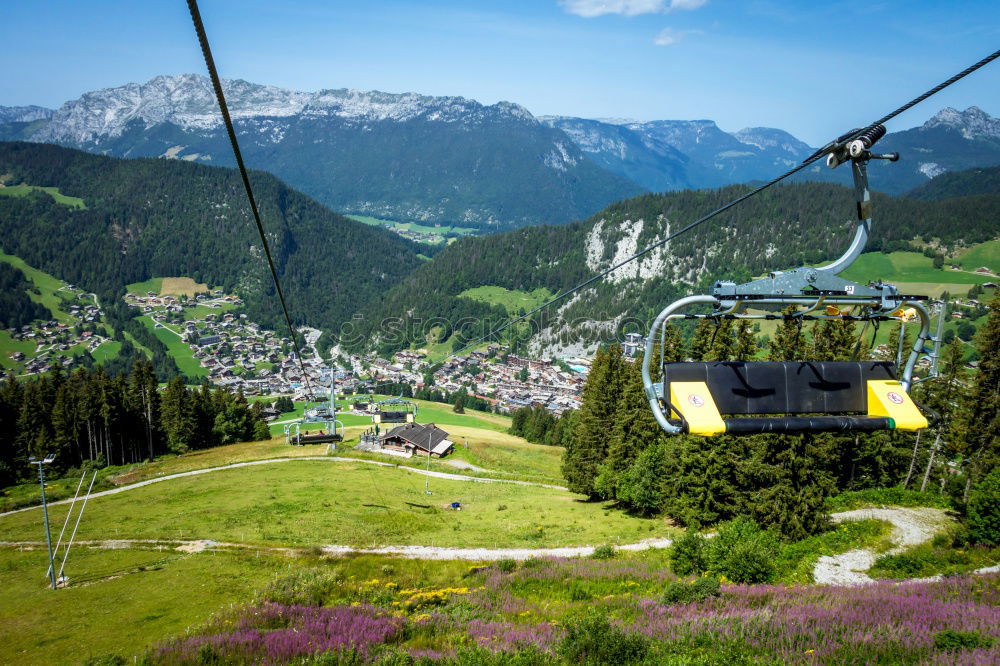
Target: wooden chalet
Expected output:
[419,439]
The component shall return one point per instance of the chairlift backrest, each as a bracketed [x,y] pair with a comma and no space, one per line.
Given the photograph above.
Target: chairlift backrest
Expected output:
[789,387]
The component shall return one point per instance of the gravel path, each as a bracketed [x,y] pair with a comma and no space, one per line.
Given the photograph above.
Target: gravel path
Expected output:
[910,527]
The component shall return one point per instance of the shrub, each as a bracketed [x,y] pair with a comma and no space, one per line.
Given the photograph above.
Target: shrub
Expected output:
[306,587]
[506,565]
[592,640]
[688,554]
[949,639]
[983,511]
[696,589]
[742,552]
[605,552]
[578,592]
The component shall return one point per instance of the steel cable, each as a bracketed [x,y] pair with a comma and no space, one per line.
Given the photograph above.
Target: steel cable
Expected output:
[206,51]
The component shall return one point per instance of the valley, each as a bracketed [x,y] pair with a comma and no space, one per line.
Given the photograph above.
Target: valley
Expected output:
[326,444]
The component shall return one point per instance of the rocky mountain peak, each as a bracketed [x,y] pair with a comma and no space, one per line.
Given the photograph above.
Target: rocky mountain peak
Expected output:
[24,114]
[973,123]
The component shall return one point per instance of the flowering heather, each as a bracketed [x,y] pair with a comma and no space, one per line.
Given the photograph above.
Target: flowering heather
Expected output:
[522,613]
[507,636]
[275,634]
[885,622]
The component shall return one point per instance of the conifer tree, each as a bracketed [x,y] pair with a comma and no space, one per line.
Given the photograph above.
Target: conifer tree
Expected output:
[789,343]
[595,421]
[724,345]
[976,428]
[635,429]
[701,341]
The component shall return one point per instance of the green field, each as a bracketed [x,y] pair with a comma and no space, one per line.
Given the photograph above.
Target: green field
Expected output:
[140,288]
[120,600]
[106,351]
[8,345]
[182,354]
[47,285]
[427,412]
[306,503]
[908,267]
[513,300]
[414,227]
[985,254]
[24,190]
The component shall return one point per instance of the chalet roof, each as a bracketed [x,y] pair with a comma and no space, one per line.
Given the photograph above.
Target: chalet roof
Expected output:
[424,436]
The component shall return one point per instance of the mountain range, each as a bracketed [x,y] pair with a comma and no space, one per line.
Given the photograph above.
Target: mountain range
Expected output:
[397,156]
[672,154]
[452,160]
[146,218]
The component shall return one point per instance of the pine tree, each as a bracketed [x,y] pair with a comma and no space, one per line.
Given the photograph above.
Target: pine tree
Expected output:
[178,416]
[595,421]
[789,343]
[724,345]
[701,341]
[976,428]
[634,430]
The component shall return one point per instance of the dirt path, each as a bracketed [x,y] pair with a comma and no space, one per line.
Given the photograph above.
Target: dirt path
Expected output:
[910,527]
[270,461]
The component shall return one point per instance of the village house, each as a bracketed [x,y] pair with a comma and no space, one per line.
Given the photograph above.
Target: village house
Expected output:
[418,439]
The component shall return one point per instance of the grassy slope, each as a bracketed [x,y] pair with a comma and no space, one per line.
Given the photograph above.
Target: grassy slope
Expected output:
[140,288]
[315,502]
[985,254]
[121,600]
[24,190]
[9,345]
[512,299]
[49,287]
[177,348]
[906,268]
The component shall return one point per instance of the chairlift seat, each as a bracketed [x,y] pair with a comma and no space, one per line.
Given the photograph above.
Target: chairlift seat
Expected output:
[826,396]
[393,417]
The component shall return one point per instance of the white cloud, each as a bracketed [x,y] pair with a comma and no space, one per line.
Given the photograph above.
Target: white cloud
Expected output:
[593,8]
[686,5]
[669,36]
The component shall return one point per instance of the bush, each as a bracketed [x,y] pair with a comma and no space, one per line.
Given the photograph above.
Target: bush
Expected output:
[592,640]
[742,552]
[686,592]
[949,639]
[983,511]
[506,565]
[605,552]
[688,554]
[307,587]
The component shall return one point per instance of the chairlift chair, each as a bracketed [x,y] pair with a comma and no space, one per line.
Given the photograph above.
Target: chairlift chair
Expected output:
[332,431]
[750,397]
[395,410]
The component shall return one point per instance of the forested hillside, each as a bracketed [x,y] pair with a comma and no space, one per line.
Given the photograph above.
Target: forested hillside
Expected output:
[16,308]
[783,227]
[149,217]
[959,184]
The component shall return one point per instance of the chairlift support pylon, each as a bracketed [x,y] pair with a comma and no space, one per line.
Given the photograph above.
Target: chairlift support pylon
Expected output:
[794,397]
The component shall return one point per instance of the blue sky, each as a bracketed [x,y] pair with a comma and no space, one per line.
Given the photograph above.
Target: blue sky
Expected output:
[812,68]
